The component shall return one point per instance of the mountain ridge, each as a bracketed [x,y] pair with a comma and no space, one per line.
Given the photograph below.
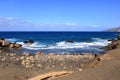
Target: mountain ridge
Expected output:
[117,29]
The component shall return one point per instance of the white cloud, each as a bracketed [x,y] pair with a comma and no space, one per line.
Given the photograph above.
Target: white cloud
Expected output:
[95,26]
[11,22]
[70,24]
[58,24]
[9,18]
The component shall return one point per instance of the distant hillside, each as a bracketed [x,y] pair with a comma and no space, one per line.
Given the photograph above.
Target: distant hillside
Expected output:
[114,29]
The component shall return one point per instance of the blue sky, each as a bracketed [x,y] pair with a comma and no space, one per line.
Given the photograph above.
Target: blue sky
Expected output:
[59,15]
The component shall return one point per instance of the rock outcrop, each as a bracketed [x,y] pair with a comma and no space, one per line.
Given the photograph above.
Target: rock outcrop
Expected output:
[30,41]
[69,41]
[114,43]
[9,45]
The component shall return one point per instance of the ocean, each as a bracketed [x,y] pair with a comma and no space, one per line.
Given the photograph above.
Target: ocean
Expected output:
[83,42]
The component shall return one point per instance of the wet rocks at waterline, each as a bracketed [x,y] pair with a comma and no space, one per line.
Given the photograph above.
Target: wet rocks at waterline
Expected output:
[5,45]
[115,43]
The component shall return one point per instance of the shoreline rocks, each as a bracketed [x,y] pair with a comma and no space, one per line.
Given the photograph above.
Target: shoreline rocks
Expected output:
[30,41]
[69,41]
[4,45]
[114,43]
[41,60]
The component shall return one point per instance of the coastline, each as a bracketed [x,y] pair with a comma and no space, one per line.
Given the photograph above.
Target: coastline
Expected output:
[107,68]
[42,66]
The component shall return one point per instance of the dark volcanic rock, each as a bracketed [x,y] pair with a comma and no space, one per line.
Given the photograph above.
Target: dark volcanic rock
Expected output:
[25,42]
[114,43]
[70,41]
[30,41]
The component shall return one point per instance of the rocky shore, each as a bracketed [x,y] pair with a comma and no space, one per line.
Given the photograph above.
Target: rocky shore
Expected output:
[25,66]
[40,63]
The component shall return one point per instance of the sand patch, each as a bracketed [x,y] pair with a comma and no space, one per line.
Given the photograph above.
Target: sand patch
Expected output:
[51,75]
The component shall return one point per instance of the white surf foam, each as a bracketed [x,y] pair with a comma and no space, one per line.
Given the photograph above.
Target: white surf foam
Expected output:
[65,45]
[11,39]
[35,46]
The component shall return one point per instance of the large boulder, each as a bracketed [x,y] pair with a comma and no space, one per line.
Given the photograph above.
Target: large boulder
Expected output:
[25,42]
[5,43]
[18,46]
[30,41]
[113,45]
[8,45]
[2,39]
[11,46]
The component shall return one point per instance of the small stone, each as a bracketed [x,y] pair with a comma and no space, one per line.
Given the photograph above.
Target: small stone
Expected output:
[52,54]
[27,61]
[3,59]
[0,51]
[27,58]
[99,59]
[31,57]
[7,54]
[39,54]
[47,67]
[53,66]
[27,66]
[22,57]
[12,54]
[64,67]
[62,64]
[26,77]
[25,54]
[50,61]
[13,57]
[32,65]
[6,65]
[79,70]
[81,65]
[71,66]
[17,59]
[23,62]
[39,65]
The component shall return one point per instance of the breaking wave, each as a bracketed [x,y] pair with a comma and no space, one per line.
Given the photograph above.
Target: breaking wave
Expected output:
[66,46]
[12,39]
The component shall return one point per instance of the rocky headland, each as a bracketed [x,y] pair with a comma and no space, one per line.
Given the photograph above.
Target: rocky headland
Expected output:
[117,29]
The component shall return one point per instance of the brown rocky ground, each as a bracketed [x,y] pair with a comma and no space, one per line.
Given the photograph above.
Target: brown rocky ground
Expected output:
[106,67]
[41,66]
[14,66]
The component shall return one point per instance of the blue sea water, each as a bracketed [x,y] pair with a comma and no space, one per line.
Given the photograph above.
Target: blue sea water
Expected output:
[56,41]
